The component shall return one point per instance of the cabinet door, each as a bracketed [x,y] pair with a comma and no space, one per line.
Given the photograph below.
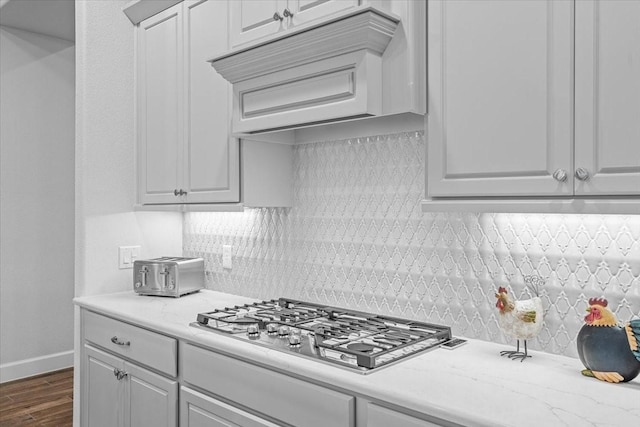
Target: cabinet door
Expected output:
[608,97]
[253,19]
[153,400]
[500,98]
[309,10]
[212,162]
[199,410]
[160,107]
[102,394]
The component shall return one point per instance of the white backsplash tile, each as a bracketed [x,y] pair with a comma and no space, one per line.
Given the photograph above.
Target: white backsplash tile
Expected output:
[357,237]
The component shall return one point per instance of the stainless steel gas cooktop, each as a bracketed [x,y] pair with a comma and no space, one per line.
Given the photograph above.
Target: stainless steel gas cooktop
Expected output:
[361,341]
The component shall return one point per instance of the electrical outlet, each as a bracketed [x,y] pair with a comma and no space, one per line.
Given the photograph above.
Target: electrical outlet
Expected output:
[127,255]
[226,256]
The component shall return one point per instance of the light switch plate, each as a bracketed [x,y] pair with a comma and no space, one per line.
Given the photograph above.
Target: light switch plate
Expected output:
[226,256]
[127,255]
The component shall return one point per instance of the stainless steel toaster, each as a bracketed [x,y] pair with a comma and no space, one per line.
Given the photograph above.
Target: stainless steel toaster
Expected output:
[168,276]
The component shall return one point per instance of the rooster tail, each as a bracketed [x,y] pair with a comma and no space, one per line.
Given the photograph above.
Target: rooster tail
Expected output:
[633,335]
[534,283]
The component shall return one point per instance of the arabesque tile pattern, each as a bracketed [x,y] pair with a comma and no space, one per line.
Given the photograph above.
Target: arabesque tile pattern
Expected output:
[357,237]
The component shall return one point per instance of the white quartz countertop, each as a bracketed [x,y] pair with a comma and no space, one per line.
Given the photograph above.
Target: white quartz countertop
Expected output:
[471,385]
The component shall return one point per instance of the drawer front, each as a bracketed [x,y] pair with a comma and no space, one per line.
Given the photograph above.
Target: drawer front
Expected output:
[290,400]
[148,348]
[199,410]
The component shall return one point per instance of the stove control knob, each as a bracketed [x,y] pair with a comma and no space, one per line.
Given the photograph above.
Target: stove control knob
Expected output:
[283,331]
[253,331]
[294,340]
[272,329]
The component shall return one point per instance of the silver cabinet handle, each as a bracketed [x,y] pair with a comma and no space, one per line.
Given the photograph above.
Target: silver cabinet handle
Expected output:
[560,175]
[117,341]
[277,17]
[119,374]
[287,13]
[582,174]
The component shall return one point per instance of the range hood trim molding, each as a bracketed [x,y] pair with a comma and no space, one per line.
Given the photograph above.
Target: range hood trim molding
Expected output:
[367,28]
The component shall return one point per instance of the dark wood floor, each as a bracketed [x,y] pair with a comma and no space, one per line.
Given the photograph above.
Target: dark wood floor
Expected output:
[43,400]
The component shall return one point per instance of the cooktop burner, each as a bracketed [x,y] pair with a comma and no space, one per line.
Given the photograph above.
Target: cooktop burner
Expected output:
[346,338]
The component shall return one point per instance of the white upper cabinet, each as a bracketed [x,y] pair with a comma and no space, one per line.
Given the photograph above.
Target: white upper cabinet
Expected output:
[607,115]
[308,10]
[500,98]
[160,93]
[512,114]
[186,154]
[254,19]
[211,171]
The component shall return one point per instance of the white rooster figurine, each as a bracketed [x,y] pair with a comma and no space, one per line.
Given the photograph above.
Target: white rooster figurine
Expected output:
[520,319]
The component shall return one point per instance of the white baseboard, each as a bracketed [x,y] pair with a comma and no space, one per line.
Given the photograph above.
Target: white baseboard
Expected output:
[37,365]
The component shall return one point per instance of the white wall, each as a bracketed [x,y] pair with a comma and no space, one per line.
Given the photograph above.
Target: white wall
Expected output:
[36,203]
[105,155]
[105,158]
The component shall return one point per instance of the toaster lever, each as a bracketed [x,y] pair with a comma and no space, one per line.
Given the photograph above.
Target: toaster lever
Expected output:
[143,276]
[165,276]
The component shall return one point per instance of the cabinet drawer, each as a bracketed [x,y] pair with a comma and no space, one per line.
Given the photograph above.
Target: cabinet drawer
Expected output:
[290,400]
[148,348]
[199,410]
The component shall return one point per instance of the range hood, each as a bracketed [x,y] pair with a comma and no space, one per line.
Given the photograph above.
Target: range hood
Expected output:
[326,72]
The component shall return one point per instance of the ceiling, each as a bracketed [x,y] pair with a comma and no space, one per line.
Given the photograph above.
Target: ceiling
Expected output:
[54,18]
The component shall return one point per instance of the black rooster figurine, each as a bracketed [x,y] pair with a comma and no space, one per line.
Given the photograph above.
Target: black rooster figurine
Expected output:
[609,351]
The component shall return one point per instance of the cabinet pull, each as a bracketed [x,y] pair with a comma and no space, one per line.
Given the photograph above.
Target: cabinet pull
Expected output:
[182,192]
[177,193]
[560,175]
[582,174]
[287,13]
[277,17]
[119,374]
[115,340]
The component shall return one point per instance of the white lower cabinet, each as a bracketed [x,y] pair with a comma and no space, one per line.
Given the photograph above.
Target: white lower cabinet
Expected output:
[200,410]
[273,395]
[116,390]
[130,376]
[120,393]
